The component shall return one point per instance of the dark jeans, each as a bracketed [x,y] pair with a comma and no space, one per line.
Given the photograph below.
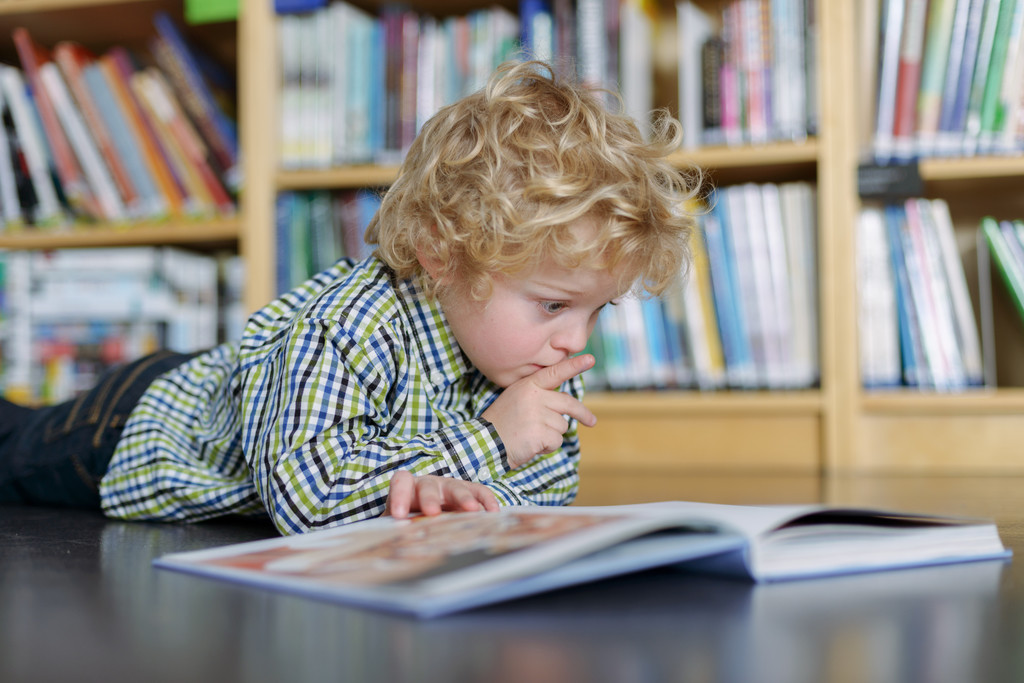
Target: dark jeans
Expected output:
[56,455]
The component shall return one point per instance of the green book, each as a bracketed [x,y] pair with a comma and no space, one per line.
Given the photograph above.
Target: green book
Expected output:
[209,11]
[1010,267]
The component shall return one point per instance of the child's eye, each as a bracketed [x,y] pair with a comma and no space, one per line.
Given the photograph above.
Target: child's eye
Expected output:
[552,306]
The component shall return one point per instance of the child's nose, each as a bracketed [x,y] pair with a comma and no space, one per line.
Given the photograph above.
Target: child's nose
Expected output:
[572,338]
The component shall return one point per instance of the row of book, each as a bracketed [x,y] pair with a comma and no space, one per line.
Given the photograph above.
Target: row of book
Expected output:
[68,315]
[746,317]
[357,87]
[948,77]
[120,137]
[917,325]
[316,228]
[747,71]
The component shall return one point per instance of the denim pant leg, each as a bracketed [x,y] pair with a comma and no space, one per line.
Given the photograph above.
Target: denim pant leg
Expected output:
[56,455]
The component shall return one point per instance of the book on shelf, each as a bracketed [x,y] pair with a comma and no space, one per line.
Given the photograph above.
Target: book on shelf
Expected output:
[316,228]
[921,297]
[695,28]
[178,59]
[119,154]
[11,176]
[744,71]
[935,57]
[1004,244]
[73,59]
[73,185]
[706,327]
[46,210]
[878,324]
[73,313]
[948,78]
[431,566]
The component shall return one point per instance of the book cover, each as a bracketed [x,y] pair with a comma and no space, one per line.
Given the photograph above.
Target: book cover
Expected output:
[968,341]
[877,319]
[1005,139]
[73,59]
[695,27]
[986,46]
[909,79]
[938,34]
[799,220]
[167,111]
[951,77]
[11,211]
[788,94]
[1010,267]
[984,126]
[95,170]
[635,69]
[739,362]
[1002,62]
[151,204]
[952,123]
[924,234]
[72,184]
[117,68]
[928,303]
[219,130]
[888,80]
[915,368]
[48,210]
[429,566]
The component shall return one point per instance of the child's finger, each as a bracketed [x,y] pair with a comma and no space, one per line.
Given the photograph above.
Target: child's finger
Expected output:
[400,494]
[567,405]
[555,375]
[429,495]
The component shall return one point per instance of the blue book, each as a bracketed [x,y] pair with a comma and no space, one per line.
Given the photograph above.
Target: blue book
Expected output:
[117,123]
[293,6]
[213,123]
[952,124]
[739,359]
[911,352]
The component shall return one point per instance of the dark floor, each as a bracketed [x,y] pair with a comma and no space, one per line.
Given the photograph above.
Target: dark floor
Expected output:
[80,601]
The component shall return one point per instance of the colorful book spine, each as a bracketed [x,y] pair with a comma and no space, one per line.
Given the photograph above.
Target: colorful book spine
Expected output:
[218,128]
[73,184]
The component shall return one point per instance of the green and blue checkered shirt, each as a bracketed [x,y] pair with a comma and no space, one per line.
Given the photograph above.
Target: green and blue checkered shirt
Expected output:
[333,387]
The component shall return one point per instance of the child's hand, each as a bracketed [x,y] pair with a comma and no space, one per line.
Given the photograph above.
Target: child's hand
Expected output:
[431,494]
[530,414]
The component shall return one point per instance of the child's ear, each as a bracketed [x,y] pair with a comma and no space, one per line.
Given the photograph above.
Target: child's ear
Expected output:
[430,262]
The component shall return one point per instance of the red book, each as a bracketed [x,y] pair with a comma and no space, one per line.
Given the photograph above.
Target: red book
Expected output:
[908,79]
[33,56]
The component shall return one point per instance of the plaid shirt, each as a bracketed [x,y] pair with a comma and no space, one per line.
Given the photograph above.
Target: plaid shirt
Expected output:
[334,387]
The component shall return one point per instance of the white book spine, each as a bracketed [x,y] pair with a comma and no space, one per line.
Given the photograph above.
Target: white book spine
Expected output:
[48,210]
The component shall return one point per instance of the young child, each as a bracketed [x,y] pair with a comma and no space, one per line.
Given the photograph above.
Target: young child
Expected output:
[442,373]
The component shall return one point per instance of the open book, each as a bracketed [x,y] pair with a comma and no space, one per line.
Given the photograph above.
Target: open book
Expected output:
[430,566]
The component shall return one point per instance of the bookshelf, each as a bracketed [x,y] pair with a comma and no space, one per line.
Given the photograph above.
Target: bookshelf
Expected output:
[838,427]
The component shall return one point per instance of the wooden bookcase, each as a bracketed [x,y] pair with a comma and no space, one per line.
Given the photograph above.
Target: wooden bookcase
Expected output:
[837,428]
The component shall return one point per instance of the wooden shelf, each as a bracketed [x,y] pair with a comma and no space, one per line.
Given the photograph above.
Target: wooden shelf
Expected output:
[345,177]
[205,234]
[971,402]
[696,402]
[973,167]
[797,158]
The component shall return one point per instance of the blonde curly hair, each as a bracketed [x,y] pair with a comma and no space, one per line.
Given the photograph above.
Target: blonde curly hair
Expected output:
[494,183]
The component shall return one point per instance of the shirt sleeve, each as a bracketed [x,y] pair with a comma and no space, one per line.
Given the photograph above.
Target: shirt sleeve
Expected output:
[549,479]
[329,421]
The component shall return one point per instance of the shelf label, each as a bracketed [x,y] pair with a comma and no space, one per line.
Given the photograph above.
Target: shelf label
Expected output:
[892,181]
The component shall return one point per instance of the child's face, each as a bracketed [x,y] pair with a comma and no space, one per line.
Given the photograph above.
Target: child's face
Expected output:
[529,322]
